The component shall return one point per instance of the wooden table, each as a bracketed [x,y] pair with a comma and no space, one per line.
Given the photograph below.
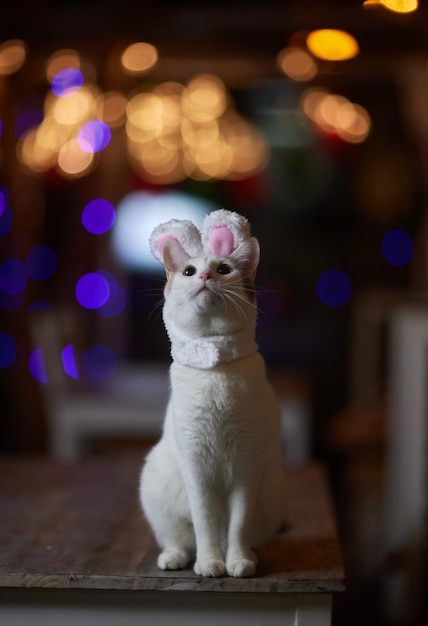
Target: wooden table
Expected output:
[75,549]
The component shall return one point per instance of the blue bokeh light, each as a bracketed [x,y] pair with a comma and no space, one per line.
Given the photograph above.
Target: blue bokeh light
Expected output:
[117,299]
[2,202]
[41,262]
[13,277]
[67,81]
[98,216]
[99,362]
[6,217]
[36,364]
[7,350]
[94,136]
[69,361]
[397,247]
[334,288]
[92,290]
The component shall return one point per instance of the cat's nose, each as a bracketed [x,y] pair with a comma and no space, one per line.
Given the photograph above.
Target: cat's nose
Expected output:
[205,276]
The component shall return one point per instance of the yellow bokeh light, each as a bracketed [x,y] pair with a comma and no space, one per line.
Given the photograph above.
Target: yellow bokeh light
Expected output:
[205,98]
[139,57]
[111,108]
[72,160]
[297,64]
[400,6]
[331,44]
[74,108]
[35,157]
[336,114]
[12,56]
[61,60]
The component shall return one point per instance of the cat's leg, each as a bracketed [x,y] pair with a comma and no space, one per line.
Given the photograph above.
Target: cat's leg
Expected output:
[166,507]
[205,517]
[240,559]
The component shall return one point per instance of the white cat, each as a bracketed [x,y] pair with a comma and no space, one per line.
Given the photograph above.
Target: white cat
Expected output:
[212,489]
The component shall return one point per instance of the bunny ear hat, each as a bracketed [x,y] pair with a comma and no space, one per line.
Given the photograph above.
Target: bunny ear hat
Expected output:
[221,233]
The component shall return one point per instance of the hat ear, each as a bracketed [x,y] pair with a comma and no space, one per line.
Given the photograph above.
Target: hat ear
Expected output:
[223,232]
[183,232]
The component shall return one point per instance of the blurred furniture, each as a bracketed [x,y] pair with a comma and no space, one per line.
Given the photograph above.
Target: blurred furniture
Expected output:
[406,469]
[76,549]
[369,340]
[129,404]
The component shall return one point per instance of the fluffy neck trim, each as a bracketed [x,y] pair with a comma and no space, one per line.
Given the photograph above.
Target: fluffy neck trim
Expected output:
[209,351]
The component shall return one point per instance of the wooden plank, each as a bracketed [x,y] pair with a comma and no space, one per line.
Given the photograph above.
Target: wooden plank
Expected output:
[79,525]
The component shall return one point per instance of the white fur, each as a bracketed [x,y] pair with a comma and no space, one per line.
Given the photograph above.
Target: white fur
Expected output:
[212,489]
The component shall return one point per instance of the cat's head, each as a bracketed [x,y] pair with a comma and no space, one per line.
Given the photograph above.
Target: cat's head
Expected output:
[210,275]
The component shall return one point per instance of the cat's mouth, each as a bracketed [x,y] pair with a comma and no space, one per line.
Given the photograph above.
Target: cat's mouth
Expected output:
[206,291]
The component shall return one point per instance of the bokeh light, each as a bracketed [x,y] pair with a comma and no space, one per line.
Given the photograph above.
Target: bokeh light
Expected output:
[63,59]
[98,216]
[6,216]
[94,136]
[400,6]
[7,350]
[67,82]
[92,290]
[336,114]
[139,57]
[13,276]
[331,44]
[30,118]
[117,299]
[297,64]
[397,247]
[72,160]
[334,288]
[41,262]
[139,212]
[37,367]
[69,361]
[99,362]
[111,108]
[12,56]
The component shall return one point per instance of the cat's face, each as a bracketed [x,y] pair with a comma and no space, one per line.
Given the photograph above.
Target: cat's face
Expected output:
[211,294]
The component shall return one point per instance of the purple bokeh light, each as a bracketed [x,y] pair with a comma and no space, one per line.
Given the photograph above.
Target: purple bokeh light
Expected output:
[69,361]
[6,217]
[99,362]
[98,216]
[13,277]
[41,262]
[94,136]
[334,288]
[92,290]
[36,364]
[67,81]
[7,350]
[117,299]
[26,120]
[397,247]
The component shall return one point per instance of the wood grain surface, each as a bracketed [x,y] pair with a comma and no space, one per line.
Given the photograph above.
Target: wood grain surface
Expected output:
[79,525]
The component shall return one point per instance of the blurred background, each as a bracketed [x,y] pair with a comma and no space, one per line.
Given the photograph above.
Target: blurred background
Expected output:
[310,118]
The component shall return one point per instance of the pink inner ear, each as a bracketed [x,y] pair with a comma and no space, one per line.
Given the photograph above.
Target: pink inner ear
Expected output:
[222,241]
[161,243]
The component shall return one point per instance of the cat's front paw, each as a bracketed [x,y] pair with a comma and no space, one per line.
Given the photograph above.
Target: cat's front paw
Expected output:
[240,567]
[210,567]
[173,558]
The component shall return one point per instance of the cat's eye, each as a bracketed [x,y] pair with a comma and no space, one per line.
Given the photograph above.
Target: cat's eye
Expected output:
[190,270]
[224,268]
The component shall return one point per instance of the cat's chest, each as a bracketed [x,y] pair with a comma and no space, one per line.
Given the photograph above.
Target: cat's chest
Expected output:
[215,407]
